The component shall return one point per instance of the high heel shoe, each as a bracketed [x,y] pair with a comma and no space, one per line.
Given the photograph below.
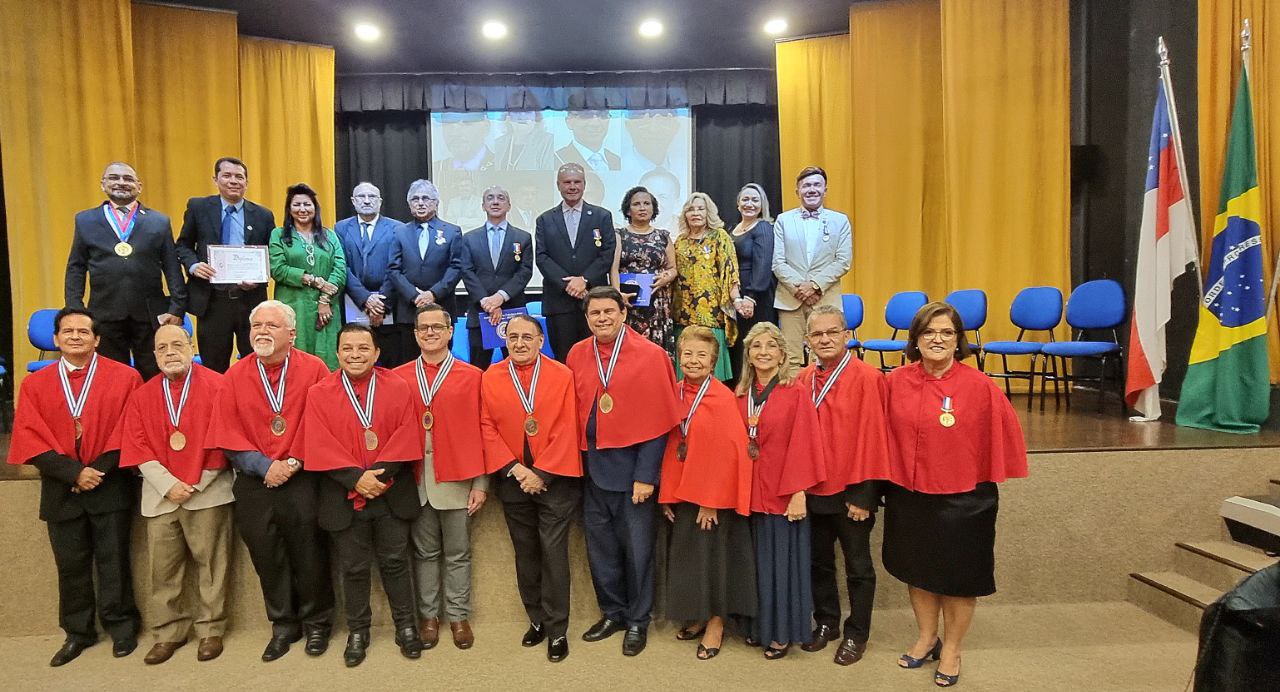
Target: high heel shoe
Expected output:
[706,654]
[943,680]
[772,653]
[685,634]
[911,663]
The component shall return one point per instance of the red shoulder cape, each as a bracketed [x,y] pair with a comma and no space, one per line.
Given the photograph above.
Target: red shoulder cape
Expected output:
[455,436]
[42,422]
[716,471]
[853,426]
[147,428]
[643,391]
[555,447]
[242,417]
[791,454]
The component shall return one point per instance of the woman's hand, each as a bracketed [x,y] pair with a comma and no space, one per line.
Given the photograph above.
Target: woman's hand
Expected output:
[327,288]
[745,307]
[324,315]
[796,509]
[668,513]
[857,513]
[708,517]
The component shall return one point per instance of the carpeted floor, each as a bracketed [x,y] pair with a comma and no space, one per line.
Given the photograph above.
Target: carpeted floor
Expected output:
[1094,646]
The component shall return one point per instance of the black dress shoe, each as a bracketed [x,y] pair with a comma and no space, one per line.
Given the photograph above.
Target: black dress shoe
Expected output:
[821,635]
[409,642]
[317,642]
[603,629]
[71,648]
[558,649]
[634,640]
[278,646]
[124,647]
[534,635]
[357,643]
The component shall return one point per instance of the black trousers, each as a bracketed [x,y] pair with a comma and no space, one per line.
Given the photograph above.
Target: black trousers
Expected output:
[226,319]
[375,533]
[288,551]
[539,528]
[388,339]
[854,538]
[566,329]
[481,357]
[122,339]
[81,546]
[620,547]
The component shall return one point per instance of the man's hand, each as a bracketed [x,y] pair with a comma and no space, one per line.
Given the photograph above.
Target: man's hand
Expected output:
[576,286]
[640,492]
[88,479]
[669,513]
[180,493]
[707,518]
[803,292]
[529,481]
[796,509]
[278,474]
[376,319]
[247,285]
[491,303]
[369,486]
[495,316]
[857,513]
[374,305]
[424,297]
[475,500]
[202,270]
[169,318]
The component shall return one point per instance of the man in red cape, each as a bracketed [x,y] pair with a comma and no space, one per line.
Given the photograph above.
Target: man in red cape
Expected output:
[623,430]
[850,398]
[67,426]
[530,426]
[361,433]
[186,496]
[254,424]
[452,483]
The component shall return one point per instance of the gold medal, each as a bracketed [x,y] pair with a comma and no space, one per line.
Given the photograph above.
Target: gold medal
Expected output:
[124,249]
[370,439]
[278,425]
[947,419]
[530,425]
[606,403]
[177,441]
[753,449]
[428,420]
[79,429]
[753,421]
[597,242]
[682,450]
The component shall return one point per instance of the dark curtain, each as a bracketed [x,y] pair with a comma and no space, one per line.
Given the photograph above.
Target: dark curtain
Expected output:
[389,149]
[733,146]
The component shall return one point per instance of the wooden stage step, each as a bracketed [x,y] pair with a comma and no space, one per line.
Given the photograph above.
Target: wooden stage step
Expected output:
[1233,555]
[1184,589]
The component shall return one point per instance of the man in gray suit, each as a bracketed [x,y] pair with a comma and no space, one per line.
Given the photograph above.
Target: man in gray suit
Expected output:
[812,249]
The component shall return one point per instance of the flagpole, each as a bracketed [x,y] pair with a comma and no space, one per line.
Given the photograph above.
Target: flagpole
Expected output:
[1167,79]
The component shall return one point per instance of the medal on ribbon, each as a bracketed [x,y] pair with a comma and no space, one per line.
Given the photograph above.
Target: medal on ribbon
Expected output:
[428,389]
[947,417]
[606,376]
[122,226]
[515,247]
[75,404]
[365,414]
[818,396]
[682,450]
[527,399]
[595,234]
[440,237]
[177,439]
[275,399]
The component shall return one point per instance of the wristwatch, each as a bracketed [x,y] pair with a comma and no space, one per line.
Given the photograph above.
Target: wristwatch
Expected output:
[294,464]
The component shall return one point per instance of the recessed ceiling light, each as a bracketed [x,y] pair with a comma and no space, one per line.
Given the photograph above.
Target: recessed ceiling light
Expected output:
[775,26]
[367,32]
[651,28]
[494,30]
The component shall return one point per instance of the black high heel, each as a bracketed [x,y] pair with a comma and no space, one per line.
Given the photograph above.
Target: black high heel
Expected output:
[943,680]
[689,634]
[911,663]
[772,653]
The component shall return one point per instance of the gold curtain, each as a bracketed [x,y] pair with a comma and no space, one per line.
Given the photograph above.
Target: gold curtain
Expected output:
[66,111]
[897,209]
[1218,69]
[187,101]
[286,126]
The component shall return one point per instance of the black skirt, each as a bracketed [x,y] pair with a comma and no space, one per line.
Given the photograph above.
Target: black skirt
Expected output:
[783,561]
[710,573]
[944,544]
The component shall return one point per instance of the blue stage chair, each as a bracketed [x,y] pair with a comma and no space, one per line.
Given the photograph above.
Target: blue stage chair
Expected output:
[460,346]
[546,343]
[897,313]
[190,330]
[1034,309]
[1098,306]
[40,334]
[534,307]
[851,304]
[971,303]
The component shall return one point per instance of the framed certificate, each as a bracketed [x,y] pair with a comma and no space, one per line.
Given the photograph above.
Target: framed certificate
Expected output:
[235,263]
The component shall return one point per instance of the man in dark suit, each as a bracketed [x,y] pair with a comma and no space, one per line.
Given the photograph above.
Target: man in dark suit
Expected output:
[587,149]
[573,244]
[425,262]
[226,218]
[497,262]
[125,249]
[367,239]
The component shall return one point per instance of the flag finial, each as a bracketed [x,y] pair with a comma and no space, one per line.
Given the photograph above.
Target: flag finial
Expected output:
[1162,50]
[1246,36]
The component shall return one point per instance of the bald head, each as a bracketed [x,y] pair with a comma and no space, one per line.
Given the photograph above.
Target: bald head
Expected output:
[173,351]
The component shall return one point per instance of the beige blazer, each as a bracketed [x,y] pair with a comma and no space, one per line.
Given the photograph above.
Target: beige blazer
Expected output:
[449,495]
[792,263]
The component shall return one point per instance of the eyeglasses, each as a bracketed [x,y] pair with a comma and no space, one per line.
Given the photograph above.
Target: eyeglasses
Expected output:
[432,328]
[421,200]
[369,197]
[829,334]
[944,334]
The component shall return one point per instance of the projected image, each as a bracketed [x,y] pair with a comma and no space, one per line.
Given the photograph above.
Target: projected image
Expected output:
[521,150]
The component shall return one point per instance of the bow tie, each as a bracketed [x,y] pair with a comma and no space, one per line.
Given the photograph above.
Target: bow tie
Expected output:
[809,214]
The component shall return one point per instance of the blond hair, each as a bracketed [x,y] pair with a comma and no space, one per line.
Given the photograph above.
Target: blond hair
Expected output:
[786,371]
[700,333]
[713,213]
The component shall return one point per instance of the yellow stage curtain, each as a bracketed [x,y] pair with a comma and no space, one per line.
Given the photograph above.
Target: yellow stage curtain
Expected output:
[1006,118]
[897,209]
[1218,69]
[286,126]
[66,111]
[187,101]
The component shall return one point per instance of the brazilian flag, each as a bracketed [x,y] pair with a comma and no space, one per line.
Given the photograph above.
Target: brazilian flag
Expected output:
[1227,384]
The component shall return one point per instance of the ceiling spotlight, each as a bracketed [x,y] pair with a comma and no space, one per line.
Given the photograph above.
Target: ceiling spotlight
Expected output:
[651,28]
[775,26]
[368,32]
[494,30]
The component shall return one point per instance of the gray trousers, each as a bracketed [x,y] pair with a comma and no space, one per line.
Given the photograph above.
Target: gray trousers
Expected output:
[442,556]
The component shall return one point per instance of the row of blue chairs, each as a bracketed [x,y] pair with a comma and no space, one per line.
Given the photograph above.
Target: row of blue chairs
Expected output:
[1094,306]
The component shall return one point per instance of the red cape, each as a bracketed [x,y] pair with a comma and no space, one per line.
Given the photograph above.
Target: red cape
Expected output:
[716,471]
[147,428]
[333,437]
[851,417]
[455,436]
[643,390]
[42,422]
[242,417]
[791,455]
[985,444]
[555,447]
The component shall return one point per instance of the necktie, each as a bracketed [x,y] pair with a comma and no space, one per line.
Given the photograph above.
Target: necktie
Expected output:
[365,233]
[571,220]
[424,240]
[597,161]
[809,214]
[495,244]
[228,223]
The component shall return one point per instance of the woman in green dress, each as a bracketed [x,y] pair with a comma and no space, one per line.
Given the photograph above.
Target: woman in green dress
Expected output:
[310,272]
[707,285]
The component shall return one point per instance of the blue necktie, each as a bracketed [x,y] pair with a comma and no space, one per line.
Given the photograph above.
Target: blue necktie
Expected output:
[495,245]
[365,234]
[424,240]
[228,223]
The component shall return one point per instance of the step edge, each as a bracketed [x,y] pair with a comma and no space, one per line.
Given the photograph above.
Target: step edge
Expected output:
[1200,548]
[1153,579]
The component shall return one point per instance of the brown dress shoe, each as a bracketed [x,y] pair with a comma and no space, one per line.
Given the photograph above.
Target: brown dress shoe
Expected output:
[850,652]
[463,637]
[429,630]
[210,648]
[162,652]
